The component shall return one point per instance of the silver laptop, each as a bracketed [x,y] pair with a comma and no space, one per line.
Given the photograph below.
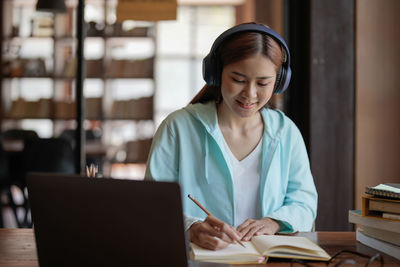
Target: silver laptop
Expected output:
[107,222]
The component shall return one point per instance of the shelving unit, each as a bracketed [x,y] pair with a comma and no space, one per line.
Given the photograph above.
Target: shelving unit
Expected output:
[37,83]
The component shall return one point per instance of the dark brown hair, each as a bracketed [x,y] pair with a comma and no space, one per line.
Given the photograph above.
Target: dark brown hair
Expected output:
[238,47]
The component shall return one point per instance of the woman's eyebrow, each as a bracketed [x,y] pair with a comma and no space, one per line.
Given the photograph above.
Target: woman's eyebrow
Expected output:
[242,75]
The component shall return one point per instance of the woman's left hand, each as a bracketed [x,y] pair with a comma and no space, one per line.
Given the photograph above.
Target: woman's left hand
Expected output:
[250,228]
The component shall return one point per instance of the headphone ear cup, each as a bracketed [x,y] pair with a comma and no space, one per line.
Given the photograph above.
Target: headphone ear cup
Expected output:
[278,81]
[206,69]
[217,73]
[286,79]
[211,70]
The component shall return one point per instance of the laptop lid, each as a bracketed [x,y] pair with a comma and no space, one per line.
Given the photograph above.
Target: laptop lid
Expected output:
[98,221]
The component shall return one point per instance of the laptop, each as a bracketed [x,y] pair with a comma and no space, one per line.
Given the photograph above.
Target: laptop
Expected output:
[81,221]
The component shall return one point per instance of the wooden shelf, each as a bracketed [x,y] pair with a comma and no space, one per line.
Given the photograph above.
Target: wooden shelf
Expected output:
[28,77]
[50,118]
[25,38]
[114,62]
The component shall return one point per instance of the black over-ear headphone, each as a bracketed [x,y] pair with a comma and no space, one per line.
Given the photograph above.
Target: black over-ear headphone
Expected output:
[212,67]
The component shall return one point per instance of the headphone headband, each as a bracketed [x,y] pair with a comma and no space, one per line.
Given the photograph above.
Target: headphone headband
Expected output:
[212,68]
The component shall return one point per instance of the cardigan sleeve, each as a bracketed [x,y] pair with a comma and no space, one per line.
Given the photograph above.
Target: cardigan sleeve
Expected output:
[299,208]
[162,163]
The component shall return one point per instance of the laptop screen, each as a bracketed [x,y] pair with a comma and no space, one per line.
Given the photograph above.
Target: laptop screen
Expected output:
[99,221]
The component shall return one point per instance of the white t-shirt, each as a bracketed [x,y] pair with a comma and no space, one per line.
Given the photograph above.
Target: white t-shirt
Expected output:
[246,181]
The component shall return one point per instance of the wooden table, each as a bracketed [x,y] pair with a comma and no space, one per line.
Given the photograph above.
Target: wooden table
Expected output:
[17,248]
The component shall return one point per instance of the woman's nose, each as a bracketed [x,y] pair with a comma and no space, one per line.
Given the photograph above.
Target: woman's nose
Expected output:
[250,91]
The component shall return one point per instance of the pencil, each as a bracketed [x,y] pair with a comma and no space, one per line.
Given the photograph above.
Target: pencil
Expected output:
[208,213]
[198,204]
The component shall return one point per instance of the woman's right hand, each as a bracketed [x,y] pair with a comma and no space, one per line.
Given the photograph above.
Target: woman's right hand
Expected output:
[213,233]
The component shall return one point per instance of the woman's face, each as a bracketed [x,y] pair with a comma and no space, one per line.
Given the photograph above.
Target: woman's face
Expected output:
[247,85]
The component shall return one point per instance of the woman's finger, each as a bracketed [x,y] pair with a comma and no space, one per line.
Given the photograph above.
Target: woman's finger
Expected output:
[211,242]
[244,224]
[223,228]
[248,224]
[216,231]
[253,228]
[210,230]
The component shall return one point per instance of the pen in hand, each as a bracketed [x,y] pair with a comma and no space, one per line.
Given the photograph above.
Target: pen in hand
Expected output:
[208,213]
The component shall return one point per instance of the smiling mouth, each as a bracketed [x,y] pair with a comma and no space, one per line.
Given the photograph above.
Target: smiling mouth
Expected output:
[246,105]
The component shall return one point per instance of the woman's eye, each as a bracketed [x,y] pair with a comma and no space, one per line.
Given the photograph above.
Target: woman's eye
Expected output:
[238,81]
[263,84]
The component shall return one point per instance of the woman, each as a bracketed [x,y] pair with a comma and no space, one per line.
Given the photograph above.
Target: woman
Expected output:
[246,163]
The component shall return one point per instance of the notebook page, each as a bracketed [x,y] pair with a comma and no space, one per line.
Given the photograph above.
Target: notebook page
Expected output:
[387,188]
[266,242]
[232,249]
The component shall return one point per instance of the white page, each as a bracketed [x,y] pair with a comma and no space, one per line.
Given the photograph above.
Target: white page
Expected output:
[387,188]
[232,249]
[266,242]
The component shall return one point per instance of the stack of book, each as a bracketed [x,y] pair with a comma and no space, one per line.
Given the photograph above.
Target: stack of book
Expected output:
[379,219]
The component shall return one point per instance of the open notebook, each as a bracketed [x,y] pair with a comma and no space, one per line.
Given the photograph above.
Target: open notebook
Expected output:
[260,248]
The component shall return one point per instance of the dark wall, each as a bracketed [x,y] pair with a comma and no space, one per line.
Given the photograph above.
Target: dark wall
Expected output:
[1,62]
[321,100]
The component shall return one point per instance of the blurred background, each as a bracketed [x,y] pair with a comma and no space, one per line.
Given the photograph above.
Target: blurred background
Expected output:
[344,94]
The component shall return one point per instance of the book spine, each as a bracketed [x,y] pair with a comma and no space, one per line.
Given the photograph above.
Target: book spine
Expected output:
[391,216]
[375,222]
[385,247]
[384,206]
[382,193]
[372,206]
[384,235]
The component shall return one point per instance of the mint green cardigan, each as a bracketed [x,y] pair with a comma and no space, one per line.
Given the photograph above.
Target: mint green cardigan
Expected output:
[188,148]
